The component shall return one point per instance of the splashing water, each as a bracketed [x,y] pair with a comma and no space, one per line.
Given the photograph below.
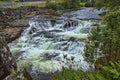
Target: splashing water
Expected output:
[49,48]
[50,44]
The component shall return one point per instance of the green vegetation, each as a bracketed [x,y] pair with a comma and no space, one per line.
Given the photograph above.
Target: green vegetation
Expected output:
[108,36]
[111,72]
[70,74]
[107,39]
[68,4]
[65,4]
[107,3]
[104,39]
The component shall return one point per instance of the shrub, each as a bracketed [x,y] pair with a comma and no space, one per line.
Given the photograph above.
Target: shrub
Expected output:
[111,72]
[53,6]
[68,74]
[88,4]
[66,4]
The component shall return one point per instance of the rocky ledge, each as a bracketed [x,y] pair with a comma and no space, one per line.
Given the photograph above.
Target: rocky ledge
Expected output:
[7,61]
[14,20]
[13,32]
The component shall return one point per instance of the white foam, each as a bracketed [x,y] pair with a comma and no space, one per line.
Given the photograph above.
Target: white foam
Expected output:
[61,53]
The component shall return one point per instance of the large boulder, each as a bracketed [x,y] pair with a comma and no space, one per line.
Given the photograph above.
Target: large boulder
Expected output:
[7,61]
[13,32]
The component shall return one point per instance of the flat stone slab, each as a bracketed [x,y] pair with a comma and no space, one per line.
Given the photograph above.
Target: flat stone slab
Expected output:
[13,32]
[19,23]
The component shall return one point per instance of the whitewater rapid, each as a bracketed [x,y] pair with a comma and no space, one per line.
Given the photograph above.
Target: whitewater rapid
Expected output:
[48,45]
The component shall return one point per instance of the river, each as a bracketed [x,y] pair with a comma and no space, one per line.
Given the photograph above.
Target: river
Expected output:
[51,43]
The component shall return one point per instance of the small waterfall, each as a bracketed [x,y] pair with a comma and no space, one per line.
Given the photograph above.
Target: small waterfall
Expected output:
[50,44]
[49,48]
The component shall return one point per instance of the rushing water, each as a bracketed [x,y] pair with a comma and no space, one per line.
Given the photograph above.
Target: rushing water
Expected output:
[52,43]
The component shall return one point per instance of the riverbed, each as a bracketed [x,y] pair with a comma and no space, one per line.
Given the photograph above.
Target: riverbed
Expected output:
[51,43]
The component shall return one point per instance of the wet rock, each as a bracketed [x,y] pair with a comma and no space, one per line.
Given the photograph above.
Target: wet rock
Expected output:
[72,39]
[49,56]
[7,61]
[42,76]
[53,22]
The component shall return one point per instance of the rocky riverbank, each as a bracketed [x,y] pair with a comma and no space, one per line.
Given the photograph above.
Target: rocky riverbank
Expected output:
[14,20]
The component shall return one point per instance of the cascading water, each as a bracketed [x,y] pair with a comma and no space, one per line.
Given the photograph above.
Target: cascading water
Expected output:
[50,44]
